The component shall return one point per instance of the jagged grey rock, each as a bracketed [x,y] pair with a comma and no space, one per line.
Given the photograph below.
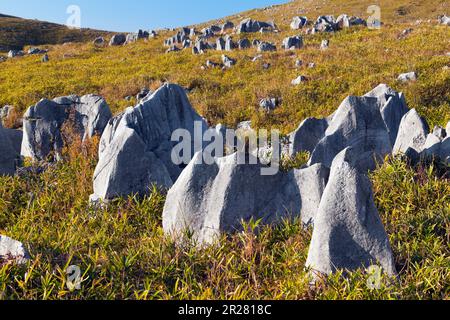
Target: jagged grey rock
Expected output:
[15,53]
[307,135]
[10,141]
[291,43]
[298,22]
[299,80]
[227,26]
[406,77]
[244,44]
[43,122]
[14,250]
[210,199]
[118,39]
[266,46]
[220,44]
[392,106]
[229,44]
[325,44]
[445,20]
[99,41]
[325,24]
[357,123]
[249,25]
[227,61]
[412,133]
[348,232]
[270,104]
[135,148]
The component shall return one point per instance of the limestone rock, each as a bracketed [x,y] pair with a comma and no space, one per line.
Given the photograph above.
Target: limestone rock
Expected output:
[292,43]
[357,123]
[298,22]
[348,232]
[266,46]
[43,122]
[13,250]
[406,77]
[249,25]
[392,106]
[118,39]
[307,135]
[412,133]
[10,141]
[135,150]
[210,199]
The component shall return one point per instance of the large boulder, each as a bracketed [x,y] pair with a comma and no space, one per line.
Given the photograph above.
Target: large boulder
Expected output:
[357,123]
[12,250]
[392,107]
[10,141]
[210,199]
[412,133]
[348,232]
[135,150]
[43,122]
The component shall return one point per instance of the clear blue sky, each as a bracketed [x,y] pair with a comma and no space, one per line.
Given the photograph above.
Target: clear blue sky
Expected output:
[130,15]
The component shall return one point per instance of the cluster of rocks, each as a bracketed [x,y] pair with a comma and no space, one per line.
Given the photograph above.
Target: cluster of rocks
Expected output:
[123,39]
[332,192]
[43,123]
[21,53]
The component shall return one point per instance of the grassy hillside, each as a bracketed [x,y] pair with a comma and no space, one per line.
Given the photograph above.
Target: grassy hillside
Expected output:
[15,33]
[122,250]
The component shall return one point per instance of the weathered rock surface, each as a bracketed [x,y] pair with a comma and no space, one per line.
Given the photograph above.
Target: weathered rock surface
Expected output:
[244,44]
[118,39]
[325,24]
[406,77]
[412,133]
[307,135]
[298,22]
[348,232]
[292,43]
[43,122]
[12,250]
[135,148]
[392,107]
[10,141]
[210,199]
[249,25]
[357,123]
[270,104]
[266,46]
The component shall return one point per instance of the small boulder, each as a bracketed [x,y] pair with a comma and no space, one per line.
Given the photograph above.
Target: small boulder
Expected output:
[266,46]
[270,104]
[299,80]
[244,44]
[325,44]
[412,133]
[445,20]
[298,22]
[208,200]
[406,77]
[12,250]
[227,61]
[292,43]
